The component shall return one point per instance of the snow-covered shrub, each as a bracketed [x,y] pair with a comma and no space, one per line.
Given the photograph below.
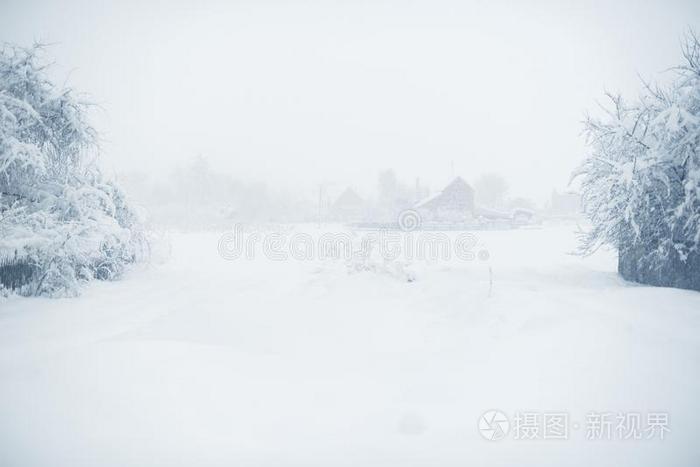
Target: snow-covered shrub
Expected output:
[59,216]
[367,257]
[641,179]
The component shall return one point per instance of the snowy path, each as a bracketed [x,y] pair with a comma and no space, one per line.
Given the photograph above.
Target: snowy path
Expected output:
[209,362]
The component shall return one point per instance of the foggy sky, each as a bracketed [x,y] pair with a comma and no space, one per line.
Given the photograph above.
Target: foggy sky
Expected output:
[301,92]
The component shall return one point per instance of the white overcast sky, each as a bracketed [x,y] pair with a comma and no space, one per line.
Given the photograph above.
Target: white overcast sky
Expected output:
[298,92]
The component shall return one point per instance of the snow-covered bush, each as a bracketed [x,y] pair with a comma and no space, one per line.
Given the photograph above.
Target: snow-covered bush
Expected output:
[58,215]
[641,179]
[367,257]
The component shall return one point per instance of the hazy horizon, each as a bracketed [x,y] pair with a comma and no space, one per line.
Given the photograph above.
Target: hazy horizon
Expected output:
[301,93]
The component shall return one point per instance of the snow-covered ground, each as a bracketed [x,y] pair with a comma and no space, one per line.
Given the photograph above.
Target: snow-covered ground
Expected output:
[202,361]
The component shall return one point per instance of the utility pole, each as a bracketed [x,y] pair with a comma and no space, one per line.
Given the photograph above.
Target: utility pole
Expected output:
[320,203]
[321,195]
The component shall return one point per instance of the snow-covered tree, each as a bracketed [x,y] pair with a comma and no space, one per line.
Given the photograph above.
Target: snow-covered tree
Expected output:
[491,189]
[59,216]
[641,179]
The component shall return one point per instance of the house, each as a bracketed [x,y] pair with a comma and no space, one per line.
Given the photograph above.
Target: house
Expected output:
[455,203]
[348,207]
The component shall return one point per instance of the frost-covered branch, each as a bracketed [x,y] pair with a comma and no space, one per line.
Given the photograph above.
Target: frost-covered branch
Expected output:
[641,178]
[57,212]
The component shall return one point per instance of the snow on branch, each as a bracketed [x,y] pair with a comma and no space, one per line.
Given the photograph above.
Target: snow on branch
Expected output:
[641,177]
[59,217]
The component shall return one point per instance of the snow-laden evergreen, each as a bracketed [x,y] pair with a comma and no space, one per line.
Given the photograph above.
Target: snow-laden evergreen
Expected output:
[59,216]
[641,179]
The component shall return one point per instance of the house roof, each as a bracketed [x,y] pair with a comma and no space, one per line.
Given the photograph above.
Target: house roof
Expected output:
[457,184]
[348,198]
[428,199]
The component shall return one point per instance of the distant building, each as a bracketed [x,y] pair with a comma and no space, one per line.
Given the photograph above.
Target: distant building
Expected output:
[455,203]
[349,207]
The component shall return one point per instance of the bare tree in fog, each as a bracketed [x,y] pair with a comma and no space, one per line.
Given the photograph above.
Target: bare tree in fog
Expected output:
[491,189]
